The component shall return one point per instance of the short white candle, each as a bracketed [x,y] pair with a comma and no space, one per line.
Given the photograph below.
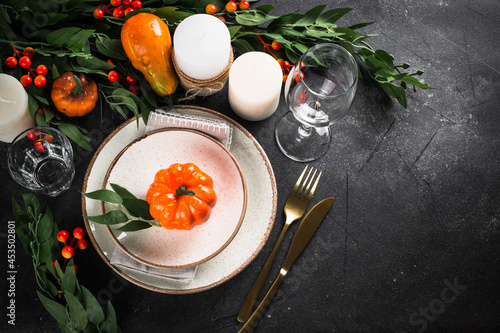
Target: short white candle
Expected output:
[254,85]
[202,46]
[14,112]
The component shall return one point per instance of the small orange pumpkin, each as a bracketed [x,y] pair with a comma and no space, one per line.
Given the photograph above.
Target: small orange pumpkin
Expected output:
[71,102]
[181,196]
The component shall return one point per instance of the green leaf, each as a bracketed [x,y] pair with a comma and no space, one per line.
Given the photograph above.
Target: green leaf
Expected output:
[55,309]
[243,45]
[121,191]
[253,18]
[111,217]
[22,229]
[284,20]
[412,80]
[110,325]
[301,48]
[77,314]
[138,207]
[386,57]
[135,225]
[148,92]
[104,195]
[72,132]
[310,16]
[69,281]
[59,37]
[265,8]
[332,16]
[78,40]
[171,14]
[111,48]
[94,311]
[4,16]
[361,25]
[233,30]
[395,91]
[92,64]
[32,105]
[45,226]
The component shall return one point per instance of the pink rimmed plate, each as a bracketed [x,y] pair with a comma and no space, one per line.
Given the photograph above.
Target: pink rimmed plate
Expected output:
[135,168]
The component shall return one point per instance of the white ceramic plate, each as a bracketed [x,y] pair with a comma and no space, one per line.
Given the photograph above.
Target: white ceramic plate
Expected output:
[135,169]
[246,245]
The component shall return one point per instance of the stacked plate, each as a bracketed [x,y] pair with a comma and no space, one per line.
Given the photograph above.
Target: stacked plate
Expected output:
[240,222]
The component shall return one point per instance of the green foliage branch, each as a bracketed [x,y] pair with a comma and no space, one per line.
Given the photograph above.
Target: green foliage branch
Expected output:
[66,37]
[72,305]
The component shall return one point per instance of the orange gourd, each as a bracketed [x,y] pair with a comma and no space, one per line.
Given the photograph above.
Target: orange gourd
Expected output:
[70,103]
[181,196]
[147,43]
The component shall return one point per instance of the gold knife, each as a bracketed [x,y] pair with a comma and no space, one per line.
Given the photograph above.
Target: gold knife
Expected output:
[304,233]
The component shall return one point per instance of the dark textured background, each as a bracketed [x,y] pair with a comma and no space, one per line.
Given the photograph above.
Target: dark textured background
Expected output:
[417,198]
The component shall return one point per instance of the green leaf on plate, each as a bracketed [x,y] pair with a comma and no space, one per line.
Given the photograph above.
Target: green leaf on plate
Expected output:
[122,191]
[109,218]
[135,225]
[138,207]
[104,195]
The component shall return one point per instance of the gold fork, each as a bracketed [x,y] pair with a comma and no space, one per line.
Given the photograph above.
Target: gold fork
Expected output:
[295,206]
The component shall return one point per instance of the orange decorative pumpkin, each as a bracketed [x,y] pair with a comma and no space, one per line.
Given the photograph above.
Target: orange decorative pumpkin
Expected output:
[147,43]
[181,196]
[70,99]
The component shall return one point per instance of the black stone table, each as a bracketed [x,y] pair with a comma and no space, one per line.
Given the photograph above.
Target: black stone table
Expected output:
[412,242]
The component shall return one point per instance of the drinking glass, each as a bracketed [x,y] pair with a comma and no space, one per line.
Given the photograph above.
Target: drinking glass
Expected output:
[41,159]
[319,90]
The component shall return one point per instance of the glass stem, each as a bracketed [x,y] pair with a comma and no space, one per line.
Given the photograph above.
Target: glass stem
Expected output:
[305,131]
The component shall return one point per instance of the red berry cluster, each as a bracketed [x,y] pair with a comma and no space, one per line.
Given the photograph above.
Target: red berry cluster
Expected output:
[117,8]
[78,237]
[40,139]
[69,250]
[230,7]
[132,83]
[25,62]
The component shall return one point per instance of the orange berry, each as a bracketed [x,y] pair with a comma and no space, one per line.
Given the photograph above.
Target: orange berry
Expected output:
[29,54]
[231,7]
[210,9]
[244,4]
[67,252]
[276,45]
[26,80]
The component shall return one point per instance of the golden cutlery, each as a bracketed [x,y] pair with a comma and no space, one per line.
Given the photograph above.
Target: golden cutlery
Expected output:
[304,233]
[295,206]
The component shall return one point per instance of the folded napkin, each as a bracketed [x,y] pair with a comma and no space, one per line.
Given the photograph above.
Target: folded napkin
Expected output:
[216,128]
[158,119]
[121,259]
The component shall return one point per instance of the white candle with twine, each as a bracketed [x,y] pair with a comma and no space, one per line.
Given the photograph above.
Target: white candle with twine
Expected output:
[14,112]
[202,53]
[254,86]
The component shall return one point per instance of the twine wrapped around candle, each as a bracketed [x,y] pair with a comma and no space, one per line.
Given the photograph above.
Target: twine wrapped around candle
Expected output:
[195,87]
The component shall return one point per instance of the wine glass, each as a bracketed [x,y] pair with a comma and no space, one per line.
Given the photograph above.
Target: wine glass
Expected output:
[319,90]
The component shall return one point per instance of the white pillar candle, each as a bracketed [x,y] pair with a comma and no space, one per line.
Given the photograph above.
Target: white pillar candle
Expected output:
[14,112]
[254,85]
[202,46]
